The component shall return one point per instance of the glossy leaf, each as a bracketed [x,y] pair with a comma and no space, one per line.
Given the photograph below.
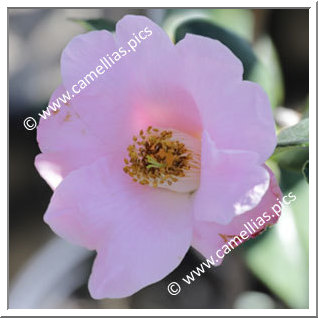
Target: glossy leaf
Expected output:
[292,149]
[293,159]
[295,135]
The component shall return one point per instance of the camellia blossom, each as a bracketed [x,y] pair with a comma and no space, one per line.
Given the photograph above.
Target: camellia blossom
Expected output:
[165,151]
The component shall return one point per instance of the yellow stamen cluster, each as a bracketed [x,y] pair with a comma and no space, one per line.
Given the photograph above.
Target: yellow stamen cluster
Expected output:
[155,158]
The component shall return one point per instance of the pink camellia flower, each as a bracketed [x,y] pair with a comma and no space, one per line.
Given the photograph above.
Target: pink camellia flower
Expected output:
[164,151]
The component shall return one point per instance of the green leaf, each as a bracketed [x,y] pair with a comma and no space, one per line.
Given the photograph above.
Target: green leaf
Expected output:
[292,159]
[96,24]
[294,137]
[240,47]
[284,149]
[292,149]
[297,135]
[305,170]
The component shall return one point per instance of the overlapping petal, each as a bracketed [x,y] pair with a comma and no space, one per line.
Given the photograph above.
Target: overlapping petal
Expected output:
[208,237]
[236,113]
[232,182]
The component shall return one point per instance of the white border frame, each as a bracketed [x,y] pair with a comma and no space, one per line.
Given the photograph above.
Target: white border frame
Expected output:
[312,155]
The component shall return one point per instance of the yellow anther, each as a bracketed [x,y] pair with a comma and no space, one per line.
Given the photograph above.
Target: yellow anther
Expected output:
[156,158]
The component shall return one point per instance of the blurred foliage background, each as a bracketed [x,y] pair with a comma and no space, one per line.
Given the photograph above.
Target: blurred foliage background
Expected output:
[270,271]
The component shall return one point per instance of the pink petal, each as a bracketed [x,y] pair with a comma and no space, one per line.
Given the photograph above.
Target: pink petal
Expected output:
[141,234]
[129,27]
[209,236]
[103,121]
[144,88]
[159,95]
[215,60]
[236,113]
[232,182]
[82,56]
[65,141]
[104,104]
[53,167]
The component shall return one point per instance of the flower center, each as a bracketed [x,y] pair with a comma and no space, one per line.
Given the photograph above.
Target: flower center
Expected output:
[164,158]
